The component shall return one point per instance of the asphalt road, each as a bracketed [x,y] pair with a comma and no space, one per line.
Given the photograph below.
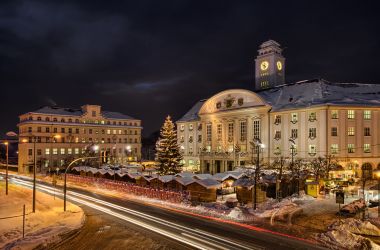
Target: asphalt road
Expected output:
[182,231]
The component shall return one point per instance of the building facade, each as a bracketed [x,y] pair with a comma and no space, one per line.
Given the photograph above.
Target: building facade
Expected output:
[55,135]
[305,119]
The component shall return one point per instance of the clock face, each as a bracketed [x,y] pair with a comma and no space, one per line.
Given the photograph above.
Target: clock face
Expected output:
[264,65]
[279,65]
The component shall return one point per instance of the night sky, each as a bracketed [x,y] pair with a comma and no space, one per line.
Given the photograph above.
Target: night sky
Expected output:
[152,58]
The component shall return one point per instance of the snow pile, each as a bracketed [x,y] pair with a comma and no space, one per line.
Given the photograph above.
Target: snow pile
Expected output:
[354,207]
[238,214]
[350,234]
[356,226]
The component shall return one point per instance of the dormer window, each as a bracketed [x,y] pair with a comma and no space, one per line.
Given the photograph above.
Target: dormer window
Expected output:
[191,127]
[182,127]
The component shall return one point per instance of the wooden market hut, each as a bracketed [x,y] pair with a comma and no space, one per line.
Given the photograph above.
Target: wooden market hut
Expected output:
[202,176]
[166,182]
[182,183]
[145,181]
[203,190]
[245,190]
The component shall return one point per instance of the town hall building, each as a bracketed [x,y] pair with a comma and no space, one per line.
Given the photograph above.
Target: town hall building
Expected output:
[304,119]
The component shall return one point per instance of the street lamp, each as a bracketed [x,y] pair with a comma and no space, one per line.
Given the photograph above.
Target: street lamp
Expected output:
[64,185]
[6,169]
[34,170]
[259,145]
[292,148]
[377,176]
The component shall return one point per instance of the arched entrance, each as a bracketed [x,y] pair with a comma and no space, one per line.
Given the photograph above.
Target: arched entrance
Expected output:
[367,170]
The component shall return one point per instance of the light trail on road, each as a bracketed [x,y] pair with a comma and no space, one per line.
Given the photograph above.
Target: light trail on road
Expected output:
[192,237]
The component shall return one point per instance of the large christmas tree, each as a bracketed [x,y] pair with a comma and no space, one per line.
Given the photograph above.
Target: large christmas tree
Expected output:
[167,151]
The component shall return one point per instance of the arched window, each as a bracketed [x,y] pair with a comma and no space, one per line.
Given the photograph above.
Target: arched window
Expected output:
[47,119]
[62,120]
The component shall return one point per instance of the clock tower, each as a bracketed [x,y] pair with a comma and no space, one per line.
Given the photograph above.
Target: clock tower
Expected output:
[269,66]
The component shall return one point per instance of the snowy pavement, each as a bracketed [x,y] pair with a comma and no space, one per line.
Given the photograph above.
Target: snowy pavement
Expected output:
[41,227]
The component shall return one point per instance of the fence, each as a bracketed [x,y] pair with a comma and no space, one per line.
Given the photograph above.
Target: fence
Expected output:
[131,188]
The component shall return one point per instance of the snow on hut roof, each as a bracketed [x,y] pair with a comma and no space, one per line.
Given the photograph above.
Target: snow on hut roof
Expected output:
[102,171]
[185,174]
[149,178]
[244,182]
[192,114]
[185,180]
[166,178]
[229,174]
[202,176]
[209,183]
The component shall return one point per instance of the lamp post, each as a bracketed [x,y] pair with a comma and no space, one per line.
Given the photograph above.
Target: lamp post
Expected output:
[292,147]
[10,134]
[6,168]
[377,176]
[256,143]
[67,168]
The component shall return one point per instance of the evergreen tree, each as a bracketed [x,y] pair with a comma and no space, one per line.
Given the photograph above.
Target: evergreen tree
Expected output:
[167,150]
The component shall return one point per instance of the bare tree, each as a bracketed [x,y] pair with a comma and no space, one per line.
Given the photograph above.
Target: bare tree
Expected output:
[279,165]
[297,169]
[316,166]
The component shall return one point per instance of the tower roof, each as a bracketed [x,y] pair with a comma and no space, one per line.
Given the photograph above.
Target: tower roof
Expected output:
[269,46]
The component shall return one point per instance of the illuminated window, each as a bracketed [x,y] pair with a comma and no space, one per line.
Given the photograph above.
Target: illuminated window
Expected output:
[47,151]
[208,132]
[219,132]
[351,114]
[351,148]
[243,130]
[256,129]
[114,131]
[294,117]
[277,135]
[312,149]
[191,127]
[334,148]
[55,151]
[62,151]
[69,151]
[334,114]
[351,131]
[119,131]
[76,151]
[367,148]
[230,132]
[367,115]
[108,131]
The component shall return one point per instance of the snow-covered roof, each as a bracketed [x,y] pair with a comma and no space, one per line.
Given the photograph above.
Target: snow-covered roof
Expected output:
[309,93]
[192,114]
[209,183]
[202,176]
[166,178]
[54,110]
[317,92]
[185,180]
[223,176]
[150,178]
[244,182]
[185,174]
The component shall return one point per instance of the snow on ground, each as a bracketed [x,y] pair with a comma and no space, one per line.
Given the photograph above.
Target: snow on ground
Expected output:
[41,227]
[350,234]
